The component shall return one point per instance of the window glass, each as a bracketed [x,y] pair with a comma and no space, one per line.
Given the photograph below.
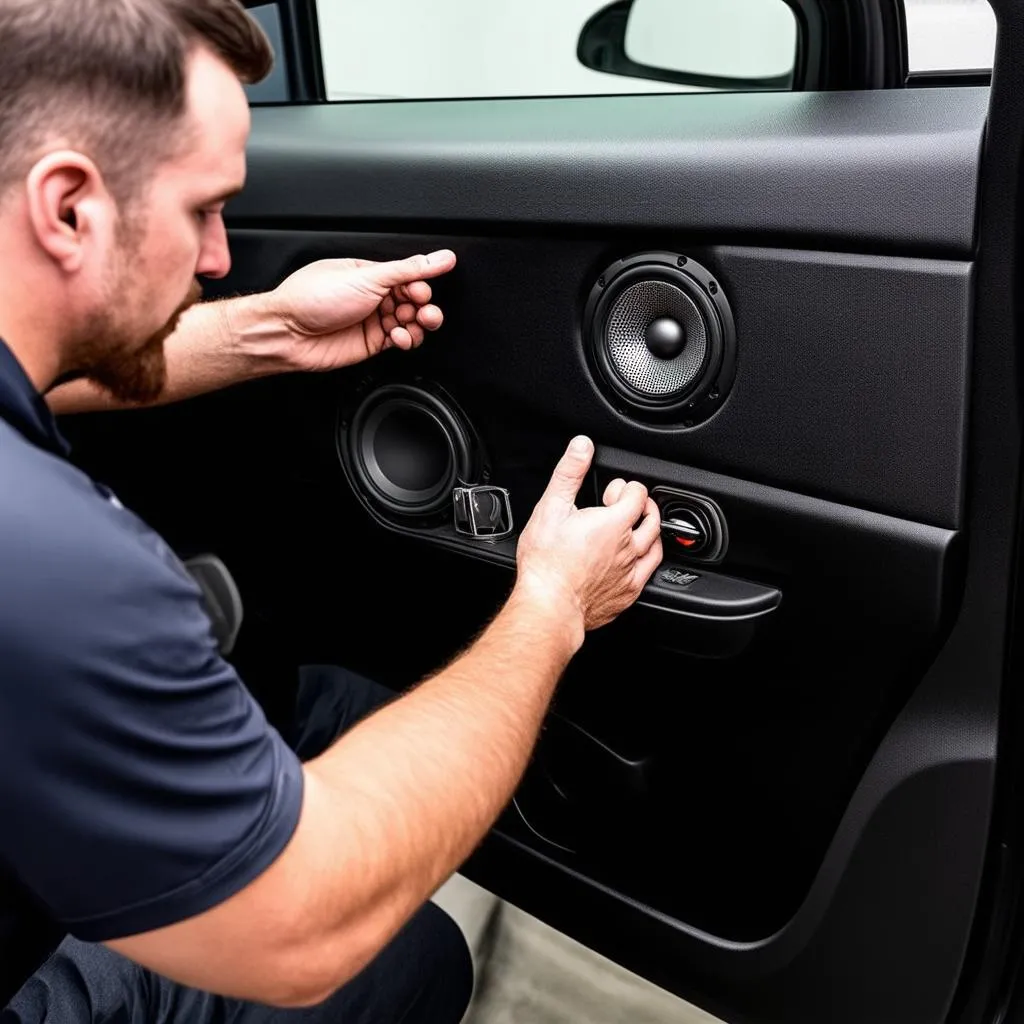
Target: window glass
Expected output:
[950,35]
[398,49]
[743,39]
[475,48]
[274,88]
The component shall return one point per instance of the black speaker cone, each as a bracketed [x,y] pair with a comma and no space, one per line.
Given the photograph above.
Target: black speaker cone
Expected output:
[407,448]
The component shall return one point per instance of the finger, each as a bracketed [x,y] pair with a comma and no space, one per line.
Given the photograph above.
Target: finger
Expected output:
[430,318]
[416,333]
[571,471]
[402,338]
[415,268]
[646,567]
[417,291]
[405,313]
[614,490]
[346,264]
[387,304]
[389,323]
[649,529]
[631,502]
[374,334]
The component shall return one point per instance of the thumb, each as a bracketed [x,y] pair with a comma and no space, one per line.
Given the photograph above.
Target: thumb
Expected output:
[415,268]
[571,471]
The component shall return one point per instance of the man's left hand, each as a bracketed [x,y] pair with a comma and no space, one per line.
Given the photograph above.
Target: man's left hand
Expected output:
[340,312]
[328,315]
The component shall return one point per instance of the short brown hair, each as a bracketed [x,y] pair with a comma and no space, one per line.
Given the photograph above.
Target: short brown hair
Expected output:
[110,77]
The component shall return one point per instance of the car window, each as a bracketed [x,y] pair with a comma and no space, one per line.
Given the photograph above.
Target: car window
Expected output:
[394,49]
[950,35]
[471,48]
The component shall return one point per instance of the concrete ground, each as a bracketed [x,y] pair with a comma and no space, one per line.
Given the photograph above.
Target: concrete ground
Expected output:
[526,971]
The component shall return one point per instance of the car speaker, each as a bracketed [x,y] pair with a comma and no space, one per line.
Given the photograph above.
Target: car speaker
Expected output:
[660,337]
[406,447]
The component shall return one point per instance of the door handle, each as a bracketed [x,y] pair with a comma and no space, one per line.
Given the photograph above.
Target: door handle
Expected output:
[695,592]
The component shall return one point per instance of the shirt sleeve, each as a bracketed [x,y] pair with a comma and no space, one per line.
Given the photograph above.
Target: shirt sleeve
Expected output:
[140,783]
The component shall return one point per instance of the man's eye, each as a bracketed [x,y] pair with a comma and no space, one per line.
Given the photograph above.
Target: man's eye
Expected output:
[205,213]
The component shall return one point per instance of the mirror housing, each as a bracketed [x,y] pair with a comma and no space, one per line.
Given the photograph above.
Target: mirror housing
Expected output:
[602,46]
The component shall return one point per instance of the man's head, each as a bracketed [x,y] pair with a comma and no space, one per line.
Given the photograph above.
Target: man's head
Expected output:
[123,126]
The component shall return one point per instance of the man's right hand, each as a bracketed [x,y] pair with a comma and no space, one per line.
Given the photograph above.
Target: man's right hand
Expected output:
[594,561]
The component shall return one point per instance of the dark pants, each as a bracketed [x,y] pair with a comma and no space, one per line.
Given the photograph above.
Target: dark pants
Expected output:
[424,975]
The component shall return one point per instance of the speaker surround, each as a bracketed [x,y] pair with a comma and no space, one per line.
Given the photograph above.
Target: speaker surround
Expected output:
[659,334]
[406,447]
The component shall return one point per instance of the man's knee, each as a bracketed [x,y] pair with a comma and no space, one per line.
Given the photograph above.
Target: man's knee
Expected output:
[444,966]
[331,700]
[423,976]
[81,982]
[452,957]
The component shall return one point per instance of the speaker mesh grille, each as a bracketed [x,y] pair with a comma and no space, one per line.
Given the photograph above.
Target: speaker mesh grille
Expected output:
[628,319]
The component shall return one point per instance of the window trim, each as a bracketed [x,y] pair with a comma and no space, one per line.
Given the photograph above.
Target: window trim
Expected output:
[302,50]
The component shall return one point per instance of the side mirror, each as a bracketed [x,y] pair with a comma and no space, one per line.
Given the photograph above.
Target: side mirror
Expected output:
[735,45]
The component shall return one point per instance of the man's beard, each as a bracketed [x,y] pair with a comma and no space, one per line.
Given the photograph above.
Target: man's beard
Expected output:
[111,357]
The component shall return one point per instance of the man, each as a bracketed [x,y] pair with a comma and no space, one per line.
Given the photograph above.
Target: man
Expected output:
[145,805]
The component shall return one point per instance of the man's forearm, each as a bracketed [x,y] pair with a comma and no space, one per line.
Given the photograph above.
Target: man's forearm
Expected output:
[217,344]
[389,812]
[399,802]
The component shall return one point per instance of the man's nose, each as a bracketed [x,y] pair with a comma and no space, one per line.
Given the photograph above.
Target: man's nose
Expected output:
[215,256]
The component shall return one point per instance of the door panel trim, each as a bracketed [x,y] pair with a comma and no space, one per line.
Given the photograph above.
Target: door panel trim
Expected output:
[893,170]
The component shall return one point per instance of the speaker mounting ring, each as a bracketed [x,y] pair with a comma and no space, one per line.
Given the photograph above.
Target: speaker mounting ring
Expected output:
[404,447]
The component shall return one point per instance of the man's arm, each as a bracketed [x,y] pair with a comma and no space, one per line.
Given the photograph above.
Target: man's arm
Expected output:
[330,314]
[395,806]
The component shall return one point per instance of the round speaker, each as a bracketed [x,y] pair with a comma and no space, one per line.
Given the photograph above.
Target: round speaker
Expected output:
[659,333]
[407,447]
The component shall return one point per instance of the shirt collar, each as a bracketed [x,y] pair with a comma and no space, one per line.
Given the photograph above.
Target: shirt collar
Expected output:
[25,409]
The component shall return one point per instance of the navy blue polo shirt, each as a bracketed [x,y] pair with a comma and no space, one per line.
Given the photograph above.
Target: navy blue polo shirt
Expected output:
[140,783]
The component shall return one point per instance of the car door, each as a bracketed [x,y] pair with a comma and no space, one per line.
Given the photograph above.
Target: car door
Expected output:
[784,785]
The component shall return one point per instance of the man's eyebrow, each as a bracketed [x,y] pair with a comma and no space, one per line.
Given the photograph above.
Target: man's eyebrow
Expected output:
[226,195]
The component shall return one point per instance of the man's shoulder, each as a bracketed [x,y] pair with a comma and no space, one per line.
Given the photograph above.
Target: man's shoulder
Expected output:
[38,485]
[67,544]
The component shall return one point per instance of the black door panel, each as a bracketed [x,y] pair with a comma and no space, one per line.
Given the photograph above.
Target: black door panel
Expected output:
[851,370]
[761,801]
[786,823]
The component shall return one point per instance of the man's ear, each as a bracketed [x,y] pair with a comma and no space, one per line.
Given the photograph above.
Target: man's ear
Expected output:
[66,200]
